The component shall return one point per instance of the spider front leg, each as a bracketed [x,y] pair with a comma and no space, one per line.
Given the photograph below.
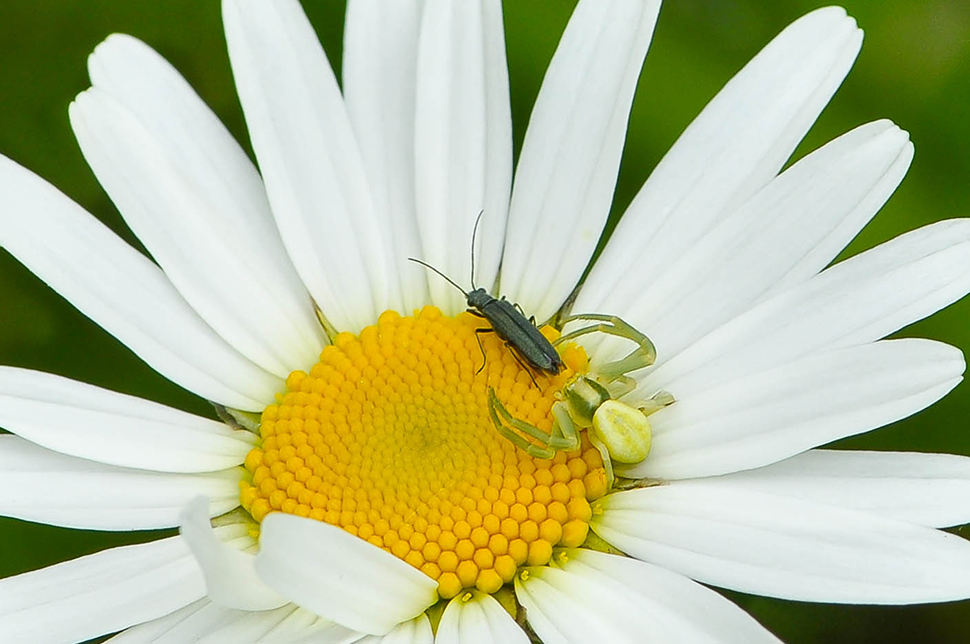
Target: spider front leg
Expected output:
[507,424]
[620,386]
[605,454]
[643,356]
[564,426]
[564,430]
[656,402]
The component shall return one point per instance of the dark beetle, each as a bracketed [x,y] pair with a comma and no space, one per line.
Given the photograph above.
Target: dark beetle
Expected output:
[508,322]
[520,334]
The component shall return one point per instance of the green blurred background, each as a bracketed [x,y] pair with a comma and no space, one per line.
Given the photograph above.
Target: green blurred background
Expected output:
[914,69]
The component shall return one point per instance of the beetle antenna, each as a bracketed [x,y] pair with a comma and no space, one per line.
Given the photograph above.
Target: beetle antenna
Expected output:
[475,232]
[450,281]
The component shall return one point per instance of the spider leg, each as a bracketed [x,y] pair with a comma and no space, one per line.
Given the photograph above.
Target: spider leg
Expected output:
[506,423]
[643,356]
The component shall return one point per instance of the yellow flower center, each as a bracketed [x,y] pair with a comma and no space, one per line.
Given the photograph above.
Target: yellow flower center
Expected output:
[389,437]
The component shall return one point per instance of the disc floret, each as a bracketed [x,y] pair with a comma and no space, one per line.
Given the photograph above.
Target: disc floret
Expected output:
[389,438]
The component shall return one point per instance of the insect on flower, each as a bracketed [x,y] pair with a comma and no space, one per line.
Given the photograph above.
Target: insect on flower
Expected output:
[507,321]
[619,431]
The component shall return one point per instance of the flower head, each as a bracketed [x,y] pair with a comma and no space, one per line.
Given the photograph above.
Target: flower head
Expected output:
[389,467]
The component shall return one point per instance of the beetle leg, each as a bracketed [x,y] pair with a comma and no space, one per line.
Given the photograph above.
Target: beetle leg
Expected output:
[500,416]
[605,453]
[643,356]
[518,308]
[525,367]
[478,337]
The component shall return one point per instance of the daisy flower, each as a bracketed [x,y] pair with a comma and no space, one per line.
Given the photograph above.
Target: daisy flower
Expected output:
[362,484]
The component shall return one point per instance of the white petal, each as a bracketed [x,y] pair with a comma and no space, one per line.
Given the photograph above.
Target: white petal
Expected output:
[187,624]
[194,198]
[786,233]
[859,300]
[99,593]
[463,143]
[302,627]
[733,148]
[339,576]
[783,547]
[416,631]
[123,292]
[480,618]
[82,420]
[379,79]
[207,623]
[237,626]
[205,258]
[558,609]
[287,625]
[626,600]
[571,153]
[230,575]
[308,155]
[43,486]
[545,607]
[927,489]
[761,419]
